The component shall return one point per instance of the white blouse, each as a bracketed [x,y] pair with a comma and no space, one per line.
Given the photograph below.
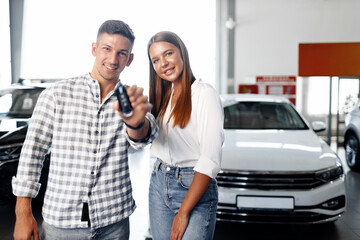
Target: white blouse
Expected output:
[199,144]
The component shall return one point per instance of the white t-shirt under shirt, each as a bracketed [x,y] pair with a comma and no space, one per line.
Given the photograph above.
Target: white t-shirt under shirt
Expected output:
[199,144]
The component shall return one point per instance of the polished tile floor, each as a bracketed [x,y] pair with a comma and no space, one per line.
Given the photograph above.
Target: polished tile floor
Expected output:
[346,228]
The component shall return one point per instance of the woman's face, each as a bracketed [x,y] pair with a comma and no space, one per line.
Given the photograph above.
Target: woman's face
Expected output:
[166,60]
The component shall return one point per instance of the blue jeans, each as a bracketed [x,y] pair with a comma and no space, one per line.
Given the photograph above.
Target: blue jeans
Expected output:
[116,231]
[168,187]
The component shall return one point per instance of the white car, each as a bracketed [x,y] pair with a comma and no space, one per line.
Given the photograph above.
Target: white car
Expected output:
[275,169]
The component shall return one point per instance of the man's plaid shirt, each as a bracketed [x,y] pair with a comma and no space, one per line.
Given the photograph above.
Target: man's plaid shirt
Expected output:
[89,155]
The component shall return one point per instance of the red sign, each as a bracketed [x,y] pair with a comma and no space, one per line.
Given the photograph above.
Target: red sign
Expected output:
[266,79]
[248,88]
[278,85]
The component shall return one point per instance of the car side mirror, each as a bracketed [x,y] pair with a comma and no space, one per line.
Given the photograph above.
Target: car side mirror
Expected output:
[318,126]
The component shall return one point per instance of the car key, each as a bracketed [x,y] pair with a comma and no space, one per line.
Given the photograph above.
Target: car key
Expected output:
[124,102]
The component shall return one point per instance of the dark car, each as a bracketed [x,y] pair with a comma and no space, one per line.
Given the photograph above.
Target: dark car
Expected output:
[17,103]
[352,138]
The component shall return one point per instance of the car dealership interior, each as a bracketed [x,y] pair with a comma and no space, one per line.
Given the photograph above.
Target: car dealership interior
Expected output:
[287,73]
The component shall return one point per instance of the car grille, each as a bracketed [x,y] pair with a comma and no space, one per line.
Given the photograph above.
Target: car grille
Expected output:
[267,180]
[227,212]
[292,217]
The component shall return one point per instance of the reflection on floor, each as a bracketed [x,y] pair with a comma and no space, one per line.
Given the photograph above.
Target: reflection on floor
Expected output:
[346,228]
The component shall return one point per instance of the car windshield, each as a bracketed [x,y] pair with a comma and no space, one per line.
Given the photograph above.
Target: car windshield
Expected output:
[18,103]
[262,115]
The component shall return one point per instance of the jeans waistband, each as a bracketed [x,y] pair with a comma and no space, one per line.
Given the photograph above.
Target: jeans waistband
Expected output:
[160,165]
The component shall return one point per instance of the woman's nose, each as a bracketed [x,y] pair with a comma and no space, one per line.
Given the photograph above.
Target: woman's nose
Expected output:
[164,62]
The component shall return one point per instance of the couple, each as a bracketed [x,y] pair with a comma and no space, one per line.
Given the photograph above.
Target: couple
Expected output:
[89,194]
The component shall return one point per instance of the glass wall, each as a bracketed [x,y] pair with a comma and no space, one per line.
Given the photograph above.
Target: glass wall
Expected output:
[314,101]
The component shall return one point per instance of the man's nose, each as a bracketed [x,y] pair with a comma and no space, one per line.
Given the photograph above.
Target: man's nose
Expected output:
[113,58]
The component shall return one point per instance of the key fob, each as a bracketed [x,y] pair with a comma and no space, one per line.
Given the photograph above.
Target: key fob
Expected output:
[124,102]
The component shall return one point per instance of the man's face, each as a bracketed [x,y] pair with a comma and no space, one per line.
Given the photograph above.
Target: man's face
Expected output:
[112,53]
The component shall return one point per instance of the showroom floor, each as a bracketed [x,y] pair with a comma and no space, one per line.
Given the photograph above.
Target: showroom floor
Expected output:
[346,228]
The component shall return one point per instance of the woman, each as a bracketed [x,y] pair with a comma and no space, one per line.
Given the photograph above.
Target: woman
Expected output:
[183,191]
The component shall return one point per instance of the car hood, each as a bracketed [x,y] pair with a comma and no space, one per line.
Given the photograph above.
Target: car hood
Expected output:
[8,124]
[17,135]
[276,150]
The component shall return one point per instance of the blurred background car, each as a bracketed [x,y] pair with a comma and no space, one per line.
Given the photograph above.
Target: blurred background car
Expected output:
[351,138]
[275,168]
[17,104]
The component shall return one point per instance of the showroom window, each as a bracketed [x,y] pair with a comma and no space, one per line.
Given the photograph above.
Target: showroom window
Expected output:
[344,95]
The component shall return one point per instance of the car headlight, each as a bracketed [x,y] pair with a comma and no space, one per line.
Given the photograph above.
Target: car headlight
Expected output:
[330,174]
[10,152]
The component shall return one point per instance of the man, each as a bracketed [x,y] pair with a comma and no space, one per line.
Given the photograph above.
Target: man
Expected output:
[89,194]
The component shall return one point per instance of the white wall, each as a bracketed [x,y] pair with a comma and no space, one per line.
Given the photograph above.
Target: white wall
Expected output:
[268,32]
[57,35]
[5,68]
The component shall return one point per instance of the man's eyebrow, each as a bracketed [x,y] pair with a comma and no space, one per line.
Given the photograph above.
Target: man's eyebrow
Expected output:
[106,45]
[109,46]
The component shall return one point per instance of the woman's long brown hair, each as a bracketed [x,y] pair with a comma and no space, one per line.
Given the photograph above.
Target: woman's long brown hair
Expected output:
[160,89]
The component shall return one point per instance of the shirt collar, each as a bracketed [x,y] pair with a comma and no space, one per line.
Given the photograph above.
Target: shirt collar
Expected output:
[95,86]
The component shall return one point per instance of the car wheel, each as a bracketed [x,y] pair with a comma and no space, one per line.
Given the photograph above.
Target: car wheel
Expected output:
[352,153]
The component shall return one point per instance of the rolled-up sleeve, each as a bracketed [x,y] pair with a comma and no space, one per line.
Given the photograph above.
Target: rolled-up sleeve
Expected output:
[210,132]
[36,145]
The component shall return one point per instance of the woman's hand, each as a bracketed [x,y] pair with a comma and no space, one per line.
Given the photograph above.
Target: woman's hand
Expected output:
[197,188]
[179,226]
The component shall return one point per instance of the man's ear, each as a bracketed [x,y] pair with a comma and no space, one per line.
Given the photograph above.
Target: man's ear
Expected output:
[93,49]
[130,60]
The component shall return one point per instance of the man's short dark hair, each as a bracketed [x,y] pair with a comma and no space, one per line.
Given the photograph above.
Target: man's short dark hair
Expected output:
[116,27]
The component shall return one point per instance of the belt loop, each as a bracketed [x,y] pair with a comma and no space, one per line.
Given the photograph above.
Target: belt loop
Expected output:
[157,166]
[177,173]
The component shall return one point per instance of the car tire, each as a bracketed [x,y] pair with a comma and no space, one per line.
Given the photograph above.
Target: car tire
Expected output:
[352,152]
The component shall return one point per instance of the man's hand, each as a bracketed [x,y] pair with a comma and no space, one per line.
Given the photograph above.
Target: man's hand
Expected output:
[141,106]
[25,225]
[139,103]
